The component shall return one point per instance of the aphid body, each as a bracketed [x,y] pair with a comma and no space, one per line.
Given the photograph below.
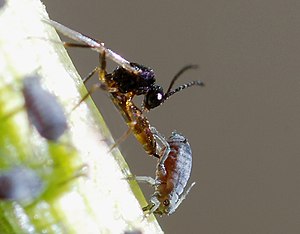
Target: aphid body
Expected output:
[20,184]
[44,111]
[172,174]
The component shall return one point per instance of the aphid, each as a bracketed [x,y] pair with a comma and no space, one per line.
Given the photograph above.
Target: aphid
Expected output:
[2,3]
[44,111]
[20,184]
[136,231]
[172,173]
[129,77]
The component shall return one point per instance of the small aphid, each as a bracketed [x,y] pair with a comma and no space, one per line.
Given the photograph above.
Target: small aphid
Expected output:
[129,77]
[136,231]
[44,111]
[172,174]
[20,184]
[2,3]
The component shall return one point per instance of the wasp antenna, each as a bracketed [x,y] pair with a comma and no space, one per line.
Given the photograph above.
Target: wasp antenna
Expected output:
[182,87]
[179,73]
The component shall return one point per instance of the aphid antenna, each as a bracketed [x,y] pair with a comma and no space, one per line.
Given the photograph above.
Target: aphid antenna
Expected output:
[93,44]
[183,196]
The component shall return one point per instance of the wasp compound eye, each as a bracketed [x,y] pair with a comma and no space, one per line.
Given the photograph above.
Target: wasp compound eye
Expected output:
[154,97]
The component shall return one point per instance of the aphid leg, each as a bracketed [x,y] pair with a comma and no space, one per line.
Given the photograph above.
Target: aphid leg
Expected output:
[144,179]
[121,139]
[166,149]
[183,196]
[153,206]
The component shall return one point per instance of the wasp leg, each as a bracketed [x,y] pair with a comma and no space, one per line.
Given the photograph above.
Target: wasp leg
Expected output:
[121,139]
[92,90]
[71,44]
[85,79]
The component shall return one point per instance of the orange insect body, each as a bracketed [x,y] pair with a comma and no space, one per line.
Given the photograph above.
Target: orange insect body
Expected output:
[136,121]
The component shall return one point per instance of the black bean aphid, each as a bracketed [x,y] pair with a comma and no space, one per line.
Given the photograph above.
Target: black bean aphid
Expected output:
[20,184]
[44,111]
[129,77]
[172,174]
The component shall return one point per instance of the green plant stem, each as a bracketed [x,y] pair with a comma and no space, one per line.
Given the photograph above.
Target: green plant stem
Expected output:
[85,190]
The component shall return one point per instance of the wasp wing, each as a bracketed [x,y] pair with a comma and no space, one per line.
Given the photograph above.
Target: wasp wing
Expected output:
[93,44]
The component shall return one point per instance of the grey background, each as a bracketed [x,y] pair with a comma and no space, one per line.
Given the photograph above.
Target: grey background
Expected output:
[243,126]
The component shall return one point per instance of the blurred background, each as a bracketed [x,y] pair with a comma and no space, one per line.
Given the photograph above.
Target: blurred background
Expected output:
[243,126]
